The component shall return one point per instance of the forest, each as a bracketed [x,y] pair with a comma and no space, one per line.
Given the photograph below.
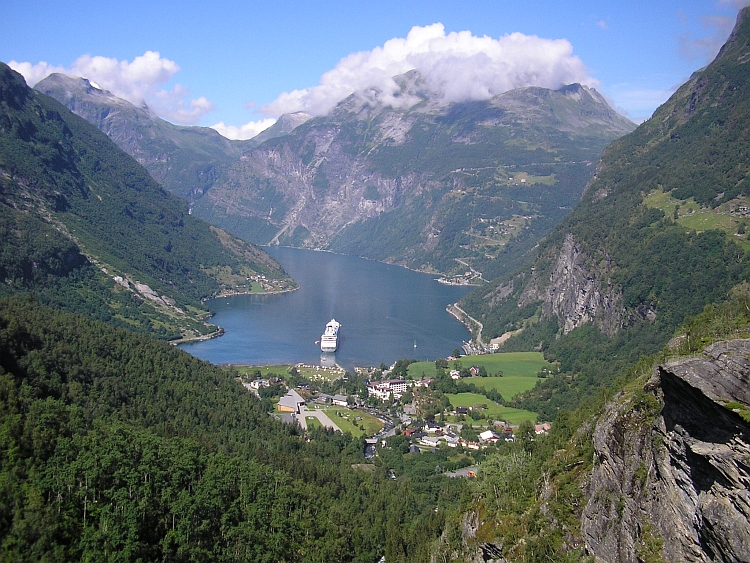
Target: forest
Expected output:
[116,446]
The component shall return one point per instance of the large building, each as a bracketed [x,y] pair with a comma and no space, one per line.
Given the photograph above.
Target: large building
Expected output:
[291,402]
[383,389]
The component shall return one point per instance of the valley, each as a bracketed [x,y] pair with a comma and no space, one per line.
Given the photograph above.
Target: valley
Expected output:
[605,265]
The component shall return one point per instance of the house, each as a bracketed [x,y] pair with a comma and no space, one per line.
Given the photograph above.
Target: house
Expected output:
[542,428]
[430,441]
[455,374]
[489,436]
[462,410]
[340,401]
[451,439]
[474,370]
[291,402]
[433,426]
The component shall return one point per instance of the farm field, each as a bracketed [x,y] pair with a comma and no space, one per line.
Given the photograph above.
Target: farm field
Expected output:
[692,216]
[522,364]
[493,411]
[508,386]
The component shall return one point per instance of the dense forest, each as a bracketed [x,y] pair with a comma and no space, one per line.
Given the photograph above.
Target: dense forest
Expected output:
[119,447]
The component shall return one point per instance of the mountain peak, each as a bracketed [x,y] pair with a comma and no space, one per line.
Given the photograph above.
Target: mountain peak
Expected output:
[65,87]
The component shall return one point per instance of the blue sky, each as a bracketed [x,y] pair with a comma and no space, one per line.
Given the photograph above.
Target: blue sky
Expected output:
[245,62]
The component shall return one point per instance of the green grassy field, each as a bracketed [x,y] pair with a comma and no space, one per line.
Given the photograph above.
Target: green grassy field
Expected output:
[347,421]
[508,386]
[519,371]
[493,410]
[311,373]
[312,422]
[523,364]
[693,216]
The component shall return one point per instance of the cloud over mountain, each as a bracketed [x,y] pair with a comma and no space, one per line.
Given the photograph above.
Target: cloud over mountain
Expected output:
[247,131]
[459,65]
[140,81]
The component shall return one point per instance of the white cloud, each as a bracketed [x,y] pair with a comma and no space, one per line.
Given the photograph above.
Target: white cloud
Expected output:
[140,81]
[458,64]
[247,131]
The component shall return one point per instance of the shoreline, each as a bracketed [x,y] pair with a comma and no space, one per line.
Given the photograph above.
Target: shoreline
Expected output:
[220,330]
[224,294]
[202,338]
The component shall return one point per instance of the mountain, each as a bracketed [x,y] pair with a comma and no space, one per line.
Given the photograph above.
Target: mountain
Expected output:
[84,227]
[187,161]
[660,232]
[431,186]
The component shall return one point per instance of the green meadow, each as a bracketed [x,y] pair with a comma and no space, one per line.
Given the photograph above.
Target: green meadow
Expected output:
[493,410]
[519,371]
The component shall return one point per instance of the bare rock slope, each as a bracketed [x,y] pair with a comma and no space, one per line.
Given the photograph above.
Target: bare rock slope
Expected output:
[672,473]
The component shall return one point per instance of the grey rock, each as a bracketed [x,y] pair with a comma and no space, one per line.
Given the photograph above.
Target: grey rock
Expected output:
[672,468]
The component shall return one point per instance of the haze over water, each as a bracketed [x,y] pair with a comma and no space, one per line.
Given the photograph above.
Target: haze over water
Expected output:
[383,311]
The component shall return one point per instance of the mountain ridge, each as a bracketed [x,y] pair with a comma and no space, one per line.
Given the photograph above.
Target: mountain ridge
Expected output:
[395,181]
[114,242]
[186,160]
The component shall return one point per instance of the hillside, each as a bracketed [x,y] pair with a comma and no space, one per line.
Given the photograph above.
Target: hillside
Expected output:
[433,187]
[618,275]
[114,446]
[85,227]
[655,469]
[184,160]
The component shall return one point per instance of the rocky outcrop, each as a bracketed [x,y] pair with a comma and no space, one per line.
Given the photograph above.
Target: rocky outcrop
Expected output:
[672,468]
[576,292]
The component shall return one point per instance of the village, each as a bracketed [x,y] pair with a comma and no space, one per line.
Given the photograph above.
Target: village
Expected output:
[412,413]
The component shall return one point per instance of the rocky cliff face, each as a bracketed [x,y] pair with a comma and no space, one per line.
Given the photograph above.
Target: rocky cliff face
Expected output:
[672,472]
[575,292]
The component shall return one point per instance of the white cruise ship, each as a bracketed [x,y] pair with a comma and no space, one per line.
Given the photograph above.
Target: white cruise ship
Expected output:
[329,340]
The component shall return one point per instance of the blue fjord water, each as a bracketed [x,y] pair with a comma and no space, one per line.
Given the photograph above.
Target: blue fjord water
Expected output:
[384,310]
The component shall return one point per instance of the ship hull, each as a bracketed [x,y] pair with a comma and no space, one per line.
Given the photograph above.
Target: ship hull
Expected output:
[329,341]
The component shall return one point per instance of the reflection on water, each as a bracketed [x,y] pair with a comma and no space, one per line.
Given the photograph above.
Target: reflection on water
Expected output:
[383,310]
[328,359]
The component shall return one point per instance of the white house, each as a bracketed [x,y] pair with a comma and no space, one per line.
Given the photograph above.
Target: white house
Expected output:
[340,401]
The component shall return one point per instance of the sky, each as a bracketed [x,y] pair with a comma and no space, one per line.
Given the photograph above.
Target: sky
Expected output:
[238,65]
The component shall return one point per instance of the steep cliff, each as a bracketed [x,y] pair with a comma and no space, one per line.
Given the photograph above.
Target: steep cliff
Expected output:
[672,466]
